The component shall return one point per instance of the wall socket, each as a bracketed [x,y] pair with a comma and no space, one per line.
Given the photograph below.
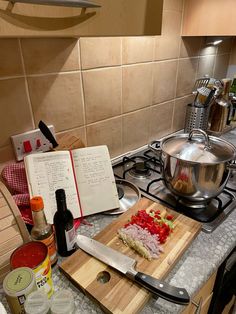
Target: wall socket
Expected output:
[31,142]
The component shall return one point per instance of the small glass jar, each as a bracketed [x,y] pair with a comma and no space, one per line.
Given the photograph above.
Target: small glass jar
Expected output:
[62,302]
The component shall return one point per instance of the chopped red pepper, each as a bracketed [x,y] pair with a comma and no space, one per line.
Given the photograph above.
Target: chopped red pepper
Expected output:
[153,223]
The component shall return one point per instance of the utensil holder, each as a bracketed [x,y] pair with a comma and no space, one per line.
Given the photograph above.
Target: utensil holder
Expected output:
[196,118]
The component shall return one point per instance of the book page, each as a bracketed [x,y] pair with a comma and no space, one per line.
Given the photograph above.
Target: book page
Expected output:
[47,172]
[95,179]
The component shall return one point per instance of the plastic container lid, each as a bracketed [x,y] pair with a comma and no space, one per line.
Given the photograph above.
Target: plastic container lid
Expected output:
[37,303]
[2,309]
[19,281]
[36,203]
[62,302]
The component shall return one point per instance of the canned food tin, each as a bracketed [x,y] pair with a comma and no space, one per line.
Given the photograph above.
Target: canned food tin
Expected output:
[17,285]
[34,255]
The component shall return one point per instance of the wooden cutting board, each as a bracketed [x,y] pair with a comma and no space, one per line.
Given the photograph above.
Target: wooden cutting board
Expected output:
[119,294]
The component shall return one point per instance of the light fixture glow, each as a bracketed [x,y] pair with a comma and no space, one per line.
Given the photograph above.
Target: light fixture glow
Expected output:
[214,41]
[217,42]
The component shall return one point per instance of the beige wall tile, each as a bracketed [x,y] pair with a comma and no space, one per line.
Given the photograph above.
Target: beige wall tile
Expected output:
[137,86]
[180,112]
[102,93]
[57,100]
[221,66]
[190,46]
[78,132]
[226,46]
[167,45]
[137,49]
[15,114]
[136,127]
[161,120]
[186,76]
[206,66]
[108,132]
[171,23]
[164,86]
[173,5]
[6,157]
[10,64]
[100,52]
[50,55]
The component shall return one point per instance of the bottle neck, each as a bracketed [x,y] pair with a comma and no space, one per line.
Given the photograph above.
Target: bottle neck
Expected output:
[39,218]
[61,205]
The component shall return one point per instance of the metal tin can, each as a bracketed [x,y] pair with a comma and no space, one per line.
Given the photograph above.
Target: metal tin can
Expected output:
[34,255]
[17,285]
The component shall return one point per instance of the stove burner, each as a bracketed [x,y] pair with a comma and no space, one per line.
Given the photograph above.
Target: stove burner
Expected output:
[193,205]
[140,170]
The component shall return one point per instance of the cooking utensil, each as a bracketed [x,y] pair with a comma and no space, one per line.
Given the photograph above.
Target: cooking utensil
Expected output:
[196,118]
[47,133]
[195,166]
[202,94]
[125,265]
[200,83]
[128,193]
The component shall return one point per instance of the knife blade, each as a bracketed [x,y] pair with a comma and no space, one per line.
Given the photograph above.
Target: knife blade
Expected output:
[126,266]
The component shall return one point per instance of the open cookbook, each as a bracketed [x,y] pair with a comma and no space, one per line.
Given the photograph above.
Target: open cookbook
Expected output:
[85,174]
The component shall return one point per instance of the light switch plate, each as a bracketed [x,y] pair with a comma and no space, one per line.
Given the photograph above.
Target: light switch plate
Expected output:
[31,136]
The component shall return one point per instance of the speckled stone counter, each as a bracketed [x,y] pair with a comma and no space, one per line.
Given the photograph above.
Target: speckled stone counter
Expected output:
[197,264]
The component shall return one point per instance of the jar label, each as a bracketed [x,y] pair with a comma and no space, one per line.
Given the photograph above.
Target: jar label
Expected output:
[70,239]
[51,245]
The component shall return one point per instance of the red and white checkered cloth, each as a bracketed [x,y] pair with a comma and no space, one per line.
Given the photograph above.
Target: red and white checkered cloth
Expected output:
[14,177]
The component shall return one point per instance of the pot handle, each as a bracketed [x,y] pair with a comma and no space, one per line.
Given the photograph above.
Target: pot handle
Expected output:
[231,166]
[199,131]
[155,148]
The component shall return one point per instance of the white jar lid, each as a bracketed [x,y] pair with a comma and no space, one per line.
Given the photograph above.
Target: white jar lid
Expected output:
[37,303]
[62,302]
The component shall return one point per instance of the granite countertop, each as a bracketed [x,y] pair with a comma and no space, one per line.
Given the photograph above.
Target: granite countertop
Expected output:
[201,259]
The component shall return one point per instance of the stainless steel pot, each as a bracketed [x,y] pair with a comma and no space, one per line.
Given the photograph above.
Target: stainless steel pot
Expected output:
[195,166]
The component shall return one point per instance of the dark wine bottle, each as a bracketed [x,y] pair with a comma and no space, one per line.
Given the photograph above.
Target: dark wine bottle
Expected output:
[64,226]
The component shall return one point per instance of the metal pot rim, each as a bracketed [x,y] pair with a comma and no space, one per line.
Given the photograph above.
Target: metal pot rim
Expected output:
[222,142]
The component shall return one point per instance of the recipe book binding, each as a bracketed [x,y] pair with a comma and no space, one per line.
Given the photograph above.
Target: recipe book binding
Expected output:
[85,174]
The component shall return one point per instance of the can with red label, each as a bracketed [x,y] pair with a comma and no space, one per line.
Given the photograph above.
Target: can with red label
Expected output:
[34,255]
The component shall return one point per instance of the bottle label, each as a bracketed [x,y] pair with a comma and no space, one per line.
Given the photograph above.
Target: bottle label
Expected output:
[70,239]
[51,245]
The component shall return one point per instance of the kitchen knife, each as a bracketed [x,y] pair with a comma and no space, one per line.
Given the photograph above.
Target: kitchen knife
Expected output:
[126,265]
[47,133]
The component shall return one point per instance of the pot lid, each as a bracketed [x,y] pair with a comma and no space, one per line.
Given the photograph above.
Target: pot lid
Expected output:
[129,194]
[198,147]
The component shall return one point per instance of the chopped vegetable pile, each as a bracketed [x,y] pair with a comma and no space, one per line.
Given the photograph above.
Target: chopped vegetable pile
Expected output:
[146,231]
[154,223]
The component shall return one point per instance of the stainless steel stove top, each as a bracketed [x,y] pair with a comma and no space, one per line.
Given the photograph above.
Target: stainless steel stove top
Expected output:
[142,168]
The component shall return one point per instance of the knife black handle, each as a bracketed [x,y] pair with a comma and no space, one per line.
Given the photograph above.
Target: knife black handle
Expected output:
[163,289]
[47,133]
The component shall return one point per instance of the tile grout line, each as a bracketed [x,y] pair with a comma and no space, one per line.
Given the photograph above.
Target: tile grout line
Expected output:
[26,83]
[82,90]
[122,104]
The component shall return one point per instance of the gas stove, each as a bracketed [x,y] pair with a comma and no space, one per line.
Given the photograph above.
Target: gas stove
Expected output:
[142,168]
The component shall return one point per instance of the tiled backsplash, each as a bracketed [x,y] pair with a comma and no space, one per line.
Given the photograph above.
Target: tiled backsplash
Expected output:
[122,92]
